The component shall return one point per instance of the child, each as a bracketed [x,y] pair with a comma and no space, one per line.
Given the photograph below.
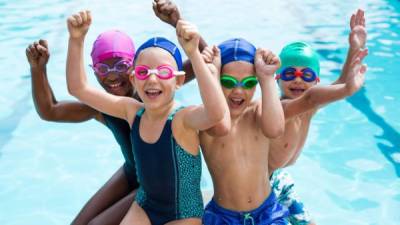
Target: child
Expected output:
[165,141]
[109,204]
[112,49]
[301,99]
[238,162]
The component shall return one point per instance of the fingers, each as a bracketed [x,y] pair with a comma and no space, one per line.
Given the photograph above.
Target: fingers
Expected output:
[186,30]
[43,43]
[81,18]
[155,8]
[352,21]
[362,54]
[267,56]
[207,54]
[42,50]
[359,18]
[363,69]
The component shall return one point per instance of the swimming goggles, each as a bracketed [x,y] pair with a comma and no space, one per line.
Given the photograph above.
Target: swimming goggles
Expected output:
[230,82]
[120,67]
[290,73]
[164,72]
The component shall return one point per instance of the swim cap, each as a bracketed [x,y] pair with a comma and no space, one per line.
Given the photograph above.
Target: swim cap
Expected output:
[110,44]
[299,54]
[237,49]
[165,44]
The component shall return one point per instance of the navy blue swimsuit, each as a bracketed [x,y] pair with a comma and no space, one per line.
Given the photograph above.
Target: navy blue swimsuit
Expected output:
[169,176]
[121,131]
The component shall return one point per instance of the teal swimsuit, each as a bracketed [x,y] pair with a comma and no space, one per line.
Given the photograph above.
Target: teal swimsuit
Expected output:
[121,130]
[169,176]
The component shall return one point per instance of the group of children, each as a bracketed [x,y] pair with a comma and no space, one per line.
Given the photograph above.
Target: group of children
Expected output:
[245,142]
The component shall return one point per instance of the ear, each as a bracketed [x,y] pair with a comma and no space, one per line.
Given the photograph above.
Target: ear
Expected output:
[180,80]
[131,76]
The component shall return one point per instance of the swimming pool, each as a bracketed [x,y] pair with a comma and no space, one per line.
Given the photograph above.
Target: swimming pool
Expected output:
[349,170]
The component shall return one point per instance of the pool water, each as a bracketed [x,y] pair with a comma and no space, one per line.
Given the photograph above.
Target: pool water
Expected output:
[350,167]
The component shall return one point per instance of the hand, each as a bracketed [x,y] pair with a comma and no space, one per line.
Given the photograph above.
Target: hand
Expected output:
[38,54]
[188,37]
[167,11]
[356,76]
[78,24]
[358,33]
[266,63]
[212,56]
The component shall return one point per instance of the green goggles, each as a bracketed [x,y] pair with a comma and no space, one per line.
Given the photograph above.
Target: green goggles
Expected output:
[230,82]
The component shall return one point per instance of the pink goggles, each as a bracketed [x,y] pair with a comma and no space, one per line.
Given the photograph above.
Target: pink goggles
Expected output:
[164,72]
[121,66]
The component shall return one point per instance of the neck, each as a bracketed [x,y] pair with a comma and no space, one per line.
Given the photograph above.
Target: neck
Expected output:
[159,113]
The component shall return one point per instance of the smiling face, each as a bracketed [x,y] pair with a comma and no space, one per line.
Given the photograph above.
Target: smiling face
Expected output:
[238,98]
[115,83]
[295,88]
[156,92]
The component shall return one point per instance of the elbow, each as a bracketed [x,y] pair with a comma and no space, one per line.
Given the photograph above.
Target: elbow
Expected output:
[275,132]
[47,115]
[216,115]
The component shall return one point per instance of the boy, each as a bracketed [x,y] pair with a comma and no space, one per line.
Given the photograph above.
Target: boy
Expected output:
[238,162]
[301,99]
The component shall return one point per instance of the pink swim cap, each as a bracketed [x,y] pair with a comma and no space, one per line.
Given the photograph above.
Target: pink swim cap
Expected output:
[110,44]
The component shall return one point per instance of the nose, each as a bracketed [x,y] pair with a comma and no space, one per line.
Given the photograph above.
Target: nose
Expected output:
[298,79]
[152,77]
[237,90]
[112,76]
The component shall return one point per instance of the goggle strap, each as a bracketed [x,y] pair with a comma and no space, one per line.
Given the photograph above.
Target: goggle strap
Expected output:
[179,73]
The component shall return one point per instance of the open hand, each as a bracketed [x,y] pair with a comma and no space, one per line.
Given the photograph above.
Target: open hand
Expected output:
[356,76]
[358,33]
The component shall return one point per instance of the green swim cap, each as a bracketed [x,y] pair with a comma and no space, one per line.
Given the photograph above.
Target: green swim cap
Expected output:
[299,54]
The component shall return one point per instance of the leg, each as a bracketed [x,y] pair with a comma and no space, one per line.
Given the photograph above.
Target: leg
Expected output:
[283,186]
[115,213]
[115,189]
[189,221]
[136,215]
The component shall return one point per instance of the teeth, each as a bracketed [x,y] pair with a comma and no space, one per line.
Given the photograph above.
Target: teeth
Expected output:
[153,91]
[115,85]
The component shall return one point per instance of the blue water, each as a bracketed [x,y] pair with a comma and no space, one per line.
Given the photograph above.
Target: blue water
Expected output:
[349,170]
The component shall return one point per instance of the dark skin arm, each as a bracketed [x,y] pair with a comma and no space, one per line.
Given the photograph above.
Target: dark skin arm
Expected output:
[168,12]
[46,104]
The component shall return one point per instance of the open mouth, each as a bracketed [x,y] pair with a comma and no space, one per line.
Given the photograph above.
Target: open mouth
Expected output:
[297,91]
[236,102]
[153,93]
[115,85]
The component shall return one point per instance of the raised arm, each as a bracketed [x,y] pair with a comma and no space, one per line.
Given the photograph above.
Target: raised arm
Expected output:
[214,105]
[212,57]
[46,104]
[269,110]
[121,107]
[168,12]
[357,41]
[318,96]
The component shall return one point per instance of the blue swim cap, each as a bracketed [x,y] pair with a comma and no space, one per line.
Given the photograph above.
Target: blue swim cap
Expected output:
[165,44]
[237,49]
